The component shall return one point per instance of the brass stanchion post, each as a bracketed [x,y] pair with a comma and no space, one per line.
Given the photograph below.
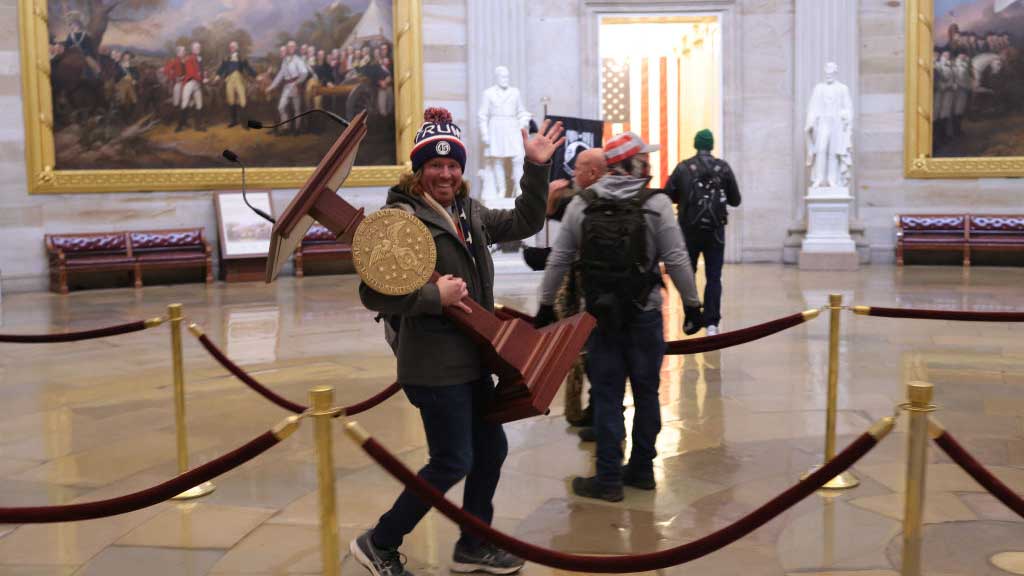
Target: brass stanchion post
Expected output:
[178,367]
[919,395]
[321,399]
[845,479]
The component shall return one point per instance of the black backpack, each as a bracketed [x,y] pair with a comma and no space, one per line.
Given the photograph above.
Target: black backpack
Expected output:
[706,200]
[617,277]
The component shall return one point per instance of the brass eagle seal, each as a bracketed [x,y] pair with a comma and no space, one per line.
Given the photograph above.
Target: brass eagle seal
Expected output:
[393,252]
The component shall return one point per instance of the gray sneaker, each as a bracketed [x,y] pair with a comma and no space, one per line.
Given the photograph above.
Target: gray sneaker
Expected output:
[379,561]
[484,558]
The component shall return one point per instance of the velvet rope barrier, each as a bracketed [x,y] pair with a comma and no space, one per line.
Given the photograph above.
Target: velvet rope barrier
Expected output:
[276,398]
[156,494]
[83,334]
[737,337]
[707,343]
[633,562]
[981,475]
[956,315]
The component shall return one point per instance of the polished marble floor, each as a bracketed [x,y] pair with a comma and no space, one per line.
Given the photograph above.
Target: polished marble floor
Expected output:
[90,420]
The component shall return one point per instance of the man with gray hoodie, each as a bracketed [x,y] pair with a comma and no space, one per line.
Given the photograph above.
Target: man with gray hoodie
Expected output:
[629,339]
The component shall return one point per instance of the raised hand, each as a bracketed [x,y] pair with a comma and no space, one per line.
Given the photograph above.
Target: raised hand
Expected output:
[542,146]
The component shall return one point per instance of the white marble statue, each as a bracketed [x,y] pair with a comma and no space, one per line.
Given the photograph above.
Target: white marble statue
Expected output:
[829,132]
[501,117]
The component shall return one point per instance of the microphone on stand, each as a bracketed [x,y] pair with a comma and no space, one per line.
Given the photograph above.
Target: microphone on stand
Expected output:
[232,157]
[257,125]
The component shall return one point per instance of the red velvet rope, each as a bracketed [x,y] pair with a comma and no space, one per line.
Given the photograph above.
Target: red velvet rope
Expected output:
[249,380]
[697,345]
[143,498]
[74,336]
[634,562]
[283,402]
[980,474]
[735,337]
[371,402]
[958,315]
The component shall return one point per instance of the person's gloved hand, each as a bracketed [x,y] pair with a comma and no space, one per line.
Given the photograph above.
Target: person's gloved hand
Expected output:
[693,320]
[545,315]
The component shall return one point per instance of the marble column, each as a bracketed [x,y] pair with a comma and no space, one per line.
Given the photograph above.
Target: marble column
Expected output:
[496,36]
[826,31]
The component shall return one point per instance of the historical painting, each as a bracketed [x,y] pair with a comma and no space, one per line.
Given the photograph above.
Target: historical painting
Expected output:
[965,88]
[978,78]
[169,84]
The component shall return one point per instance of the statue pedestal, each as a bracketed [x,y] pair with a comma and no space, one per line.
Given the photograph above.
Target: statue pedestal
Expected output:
[828,245]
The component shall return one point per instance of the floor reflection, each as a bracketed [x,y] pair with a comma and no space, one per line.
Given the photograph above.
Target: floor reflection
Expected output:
[88,420]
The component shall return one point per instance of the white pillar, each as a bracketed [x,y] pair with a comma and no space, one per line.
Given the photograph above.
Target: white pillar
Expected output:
[826,31]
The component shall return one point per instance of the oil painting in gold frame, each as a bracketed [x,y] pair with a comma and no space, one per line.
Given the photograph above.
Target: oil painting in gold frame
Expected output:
[47,37]
[964,71]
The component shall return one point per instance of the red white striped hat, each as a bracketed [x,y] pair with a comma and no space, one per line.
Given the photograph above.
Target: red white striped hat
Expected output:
[626,145]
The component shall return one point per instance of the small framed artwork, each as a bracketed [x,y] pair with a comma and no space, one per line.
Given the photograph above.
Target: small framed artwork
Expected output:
[243,233]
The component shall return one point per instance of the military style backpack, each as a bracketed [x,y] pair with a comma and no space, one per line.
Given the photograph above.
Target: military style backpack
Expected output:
[617,276]
[706,201]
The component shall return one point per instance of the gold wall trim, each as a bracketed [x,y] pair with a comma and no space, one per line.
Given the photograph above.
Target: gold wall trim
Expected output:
[40,154]
[917,136]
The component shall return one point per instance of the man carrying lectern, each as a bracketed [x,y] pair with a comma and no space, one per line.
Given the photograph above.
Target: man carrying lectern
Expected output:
[440,367]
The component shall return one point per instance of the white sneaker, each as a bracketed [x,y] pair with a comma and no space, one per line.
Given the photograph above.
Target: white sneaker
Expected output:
[712,330]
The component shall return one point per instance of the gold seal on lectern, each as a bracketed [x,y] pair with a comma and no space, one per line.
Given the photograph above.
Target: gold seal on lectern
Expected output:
[393,252]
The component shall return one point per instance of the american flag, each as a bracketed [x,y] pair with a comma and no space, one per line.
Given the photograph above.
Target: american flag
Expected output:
[635,96]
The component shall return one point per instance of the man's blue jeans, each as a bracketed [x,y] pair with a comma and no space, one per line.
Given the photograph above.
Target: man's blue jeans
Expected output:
[711,243]
[635,352]
[461,445]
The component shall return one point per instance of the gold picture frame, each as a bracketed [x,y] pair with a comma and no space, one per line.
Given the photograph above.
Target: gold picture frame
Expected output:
[919,110]
[40,153]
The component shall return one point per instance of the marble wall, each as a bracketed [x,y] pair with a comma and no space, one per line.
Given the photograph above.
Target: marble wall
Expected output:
[883,191]
[759,107]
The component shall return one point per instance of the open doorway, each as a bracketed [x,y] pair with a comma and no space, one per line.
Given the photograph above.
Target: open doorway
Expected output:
[661,77]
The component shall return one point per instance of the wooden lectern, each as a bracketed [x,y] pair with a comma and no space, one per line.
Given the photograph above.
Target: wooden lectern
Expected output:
[318,200]
[530,363]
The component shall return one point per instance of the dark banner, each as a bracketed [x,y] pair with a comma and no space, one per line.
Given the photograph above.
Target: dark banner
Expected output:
[580,134]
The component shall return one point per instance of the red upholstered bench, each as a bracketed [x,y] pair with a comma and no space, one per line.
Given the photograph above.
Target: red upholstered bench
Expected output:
[169,249]
[995,232]
[89,252]
[319,244]
[945,232]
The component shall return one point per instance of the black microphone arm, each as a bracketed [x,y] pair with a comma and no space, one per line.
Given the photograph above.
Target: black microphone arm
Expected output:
[232,157]
[257,125]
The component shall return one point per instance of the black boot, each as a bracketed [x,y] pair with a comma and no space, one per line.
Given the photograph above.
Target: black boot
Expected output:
[182,117]
[200,122]
[234,117]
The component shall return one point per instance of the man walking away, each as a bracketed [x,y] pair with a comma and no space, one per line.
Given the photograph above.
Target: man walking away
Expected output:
[702,186]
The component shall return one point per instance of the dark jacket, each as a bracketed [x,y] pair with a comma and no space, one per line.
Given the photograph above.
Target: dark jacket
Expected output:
[229,67]
[432,350]
[680,183]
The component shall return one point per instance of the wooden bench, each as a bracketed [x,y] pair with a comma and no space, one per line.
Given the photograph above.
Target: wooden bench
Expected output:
[125,252]
[89,252]
[169,249]
[962,233]
[319,243]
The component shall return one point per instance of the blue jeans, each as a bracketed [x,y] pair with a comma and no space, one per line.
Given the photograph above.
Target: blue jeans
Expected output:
[461,445]
[635,352]
[712,245]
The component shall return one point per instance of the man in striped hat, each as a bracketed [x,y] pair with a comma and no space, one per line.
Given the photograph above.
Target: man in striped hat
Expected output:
[620,230]
[440,367]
